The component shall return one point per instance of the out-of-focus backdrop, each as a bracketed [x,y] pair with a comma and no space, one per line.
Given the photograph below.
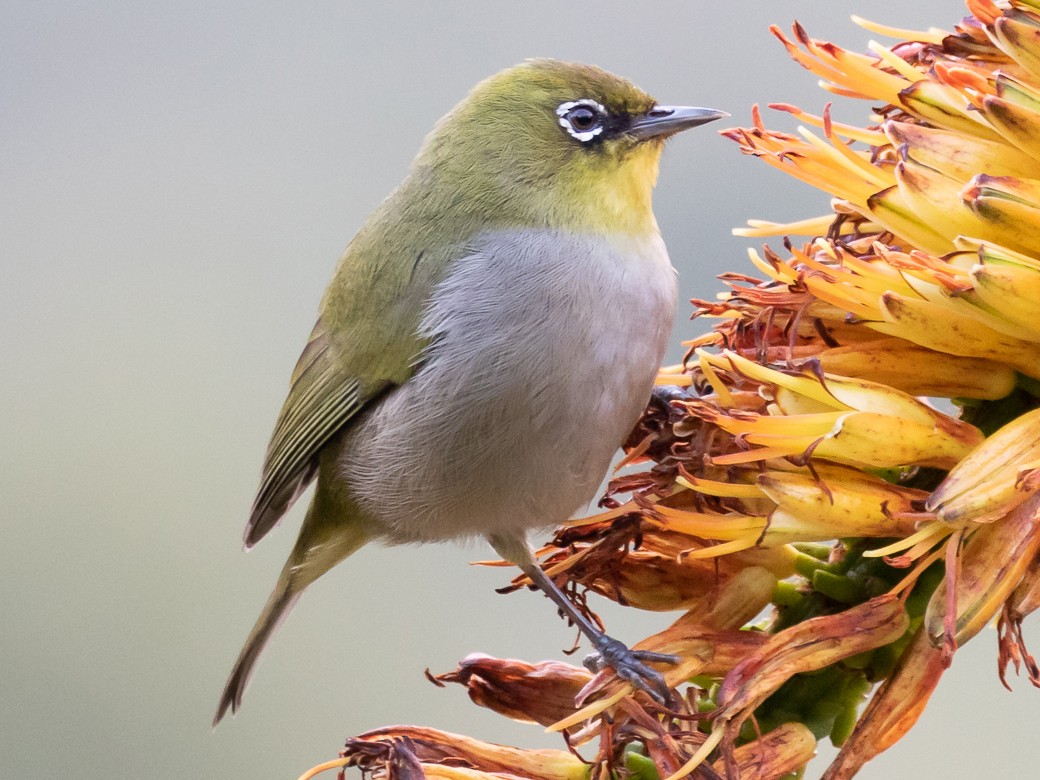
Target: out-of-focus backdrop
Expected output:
[178,180]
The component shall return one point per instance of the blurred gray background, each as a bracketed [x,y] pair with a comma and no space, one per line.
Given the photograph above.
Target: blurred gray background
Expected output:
[178,180]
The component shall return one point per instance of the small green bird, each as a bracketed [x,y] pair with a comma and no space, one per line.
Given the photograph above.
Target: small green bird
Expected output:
[487,341]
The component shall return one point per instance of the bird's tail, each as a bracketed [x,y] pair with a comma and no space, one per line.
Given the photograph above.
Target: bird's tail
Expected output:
[276,610]
[309,560]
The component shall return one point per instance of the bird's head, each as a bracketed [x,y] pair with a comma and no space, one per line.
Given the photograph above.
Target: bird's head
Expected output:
[556,144]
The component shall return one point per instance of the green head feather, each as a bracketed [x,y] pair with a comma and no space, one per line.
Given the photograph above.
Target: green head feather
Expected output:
[507,153]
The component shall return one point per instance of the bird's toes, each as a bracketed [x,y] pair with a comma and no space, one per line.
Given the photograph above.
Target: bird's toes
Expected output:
[631,666]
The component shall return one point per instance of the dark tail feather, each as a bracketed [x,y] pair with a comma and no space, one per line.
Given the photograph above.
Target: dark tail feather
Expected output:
[282,600]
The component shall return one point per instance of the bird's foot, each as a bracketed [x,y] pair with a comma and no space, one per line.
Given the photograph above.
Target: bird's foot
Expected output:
[631,666]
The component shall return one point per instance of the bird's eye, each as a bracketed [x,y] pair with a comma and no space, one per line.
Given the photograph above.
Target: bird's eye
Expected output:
[582,119]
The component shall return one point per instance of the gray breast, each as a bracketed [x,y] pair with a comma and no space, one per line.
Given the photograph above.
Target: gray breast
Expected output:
[543,350]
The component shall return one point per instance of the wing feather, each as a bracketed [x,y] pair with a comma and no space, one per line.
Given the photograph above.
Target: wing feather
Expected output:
[322,398]
[366,339]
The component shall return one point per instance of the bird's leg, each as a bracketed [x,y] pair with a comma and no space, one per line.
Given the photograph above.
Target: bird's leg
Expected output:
[629,665]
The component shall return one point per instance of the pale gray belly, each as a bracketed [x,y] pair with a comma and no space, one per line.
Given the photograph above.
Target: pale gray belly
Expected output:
[544,348]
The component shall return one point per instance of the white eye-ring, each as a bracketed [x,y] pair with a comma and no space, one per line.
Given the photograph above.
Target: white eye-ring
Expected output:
[582,119]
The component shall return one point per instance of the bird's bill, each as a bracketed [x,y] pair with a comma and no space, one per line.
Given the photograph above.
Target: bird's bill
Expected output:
[668,120]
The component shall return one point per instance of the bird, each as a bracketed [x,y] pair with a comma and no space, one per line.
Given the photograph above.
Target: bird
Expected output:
[488,339]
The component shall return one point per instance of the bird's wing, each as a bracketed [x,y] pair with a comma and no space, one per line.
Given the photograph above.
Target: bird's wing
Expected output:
[366,340]
[322,398]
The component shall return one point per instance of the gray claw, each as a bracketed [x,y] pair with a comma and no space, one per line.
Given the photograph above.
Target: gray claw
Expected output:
[659,658]
[594,662]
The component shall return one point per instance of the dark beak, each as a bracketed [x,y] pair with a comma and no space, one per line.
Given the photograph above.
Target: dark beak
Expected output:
[663,121]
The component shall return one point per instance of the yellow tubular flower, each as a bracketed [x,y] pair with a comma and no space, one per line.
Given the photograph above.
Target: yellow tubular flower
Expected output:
[413,751]
[534,693]
[998,476]
[838,503]
[993,563]
[783,751]
[935,374]
[836,418]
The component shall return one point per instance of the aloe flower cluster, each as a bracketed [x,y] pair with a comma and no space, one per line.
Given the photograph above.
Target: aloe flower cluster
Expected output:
[839,486]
